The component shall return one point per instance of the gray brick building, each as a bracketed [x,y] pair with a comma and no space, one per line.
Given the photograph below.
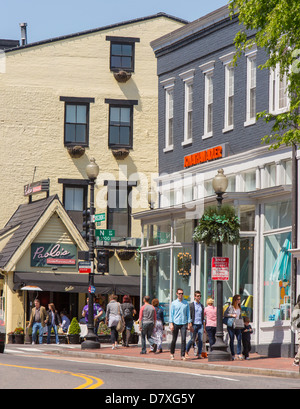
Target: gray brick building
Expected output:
[207,121]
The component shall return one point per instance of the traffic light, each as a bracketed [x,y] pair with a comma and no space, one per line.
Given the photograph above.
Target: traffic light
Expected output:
[86,225]
[102,261]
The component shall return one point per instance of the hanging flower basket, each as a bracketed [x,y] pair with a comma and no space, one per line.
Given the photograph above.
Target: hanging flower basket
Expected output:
[218,225]
[184,264]
[125,254]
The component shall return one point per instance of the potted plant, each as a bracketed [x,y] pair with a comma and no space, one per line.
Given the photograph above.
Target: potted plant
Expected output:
[11,337]
[218,224]
[103,333]
[74,332]
[19,335]
[134,336]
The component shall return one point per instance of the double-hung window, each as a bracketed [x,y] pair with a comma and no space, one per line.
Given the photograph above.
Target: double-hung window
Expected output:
[75,199]
[251,88]
[188,78]
[122,53]
[278,99]
[208,71]
[120,133]
[229,92]
[169,112]
[76,124]
[119,207]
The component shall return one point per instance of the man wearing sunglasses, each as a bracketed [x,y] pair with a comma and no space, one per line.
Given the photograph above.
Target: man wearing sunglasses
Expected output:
[180,320]
[197,316]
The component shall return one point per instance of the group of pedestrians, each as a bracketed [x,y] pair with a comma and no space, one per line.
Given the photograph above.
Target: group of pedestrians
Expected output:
[119,318]
[42,320]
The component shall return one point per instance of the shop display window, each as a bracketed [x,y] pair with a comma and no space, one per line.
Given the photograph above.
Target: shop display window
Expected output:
[156,277]
[277,261]
[277,276]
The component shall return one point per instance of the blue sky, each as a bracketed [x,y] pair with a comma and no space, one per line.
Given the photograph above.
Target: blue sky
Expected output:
[48,19]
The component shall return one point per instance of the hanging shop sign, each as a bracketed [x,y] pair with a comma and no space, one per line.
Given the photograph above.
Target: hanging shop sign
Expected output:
[51,254]
[220,268]
[36,187]
[208,155]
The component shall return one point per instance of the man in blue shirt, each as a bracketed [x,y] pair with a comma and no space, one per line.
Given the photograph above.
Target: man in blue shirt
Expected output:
[197,317]
[180,320]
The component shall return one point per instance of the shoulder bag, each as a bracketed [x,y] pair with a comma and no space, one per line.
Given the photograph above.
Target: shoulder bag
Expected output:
[121,324]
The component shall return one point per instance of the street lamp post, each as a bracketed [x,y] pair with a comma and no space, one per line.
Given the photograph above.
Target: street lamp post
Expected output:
[91,340]
[219,349]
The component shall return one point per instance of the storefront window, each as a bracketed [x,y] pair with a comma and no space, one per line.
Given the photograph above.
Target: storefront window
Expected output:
[156,277]
[184,230]
[277,275]
[277,262]
[245,275]
[278,215]
[159,233]
[182,269]
[247,218]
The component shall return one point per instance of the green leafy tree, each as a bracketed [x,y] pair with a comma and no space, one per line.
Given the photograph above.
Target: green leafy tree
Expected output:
[276,28]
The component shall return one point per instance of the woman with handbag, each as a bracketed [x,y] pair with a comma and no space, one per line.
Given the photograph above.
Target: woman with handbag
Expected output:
[235,324]
[114,319]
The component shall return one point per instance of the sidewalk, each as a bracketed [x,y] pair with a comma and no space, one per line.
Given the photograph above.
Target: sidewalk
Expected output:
[257,364]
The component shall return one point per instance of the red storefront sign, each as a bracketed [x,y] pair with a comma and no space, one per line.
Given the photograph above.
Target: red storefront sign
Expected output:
[220,268]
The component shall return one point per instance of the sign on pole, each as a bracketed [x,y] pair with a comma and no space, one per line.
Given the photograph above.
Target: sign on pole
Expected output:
[104,234]
[86,267]
[100,217]
[220,268]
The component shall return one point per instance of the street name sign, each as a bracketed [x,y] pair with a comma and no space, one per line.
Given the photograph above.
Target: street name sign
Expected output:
[100,217]
[105,234]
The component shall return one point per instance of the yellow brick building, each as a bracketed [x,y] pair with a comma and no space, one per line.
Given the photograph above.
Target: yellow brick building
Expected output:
[67,99]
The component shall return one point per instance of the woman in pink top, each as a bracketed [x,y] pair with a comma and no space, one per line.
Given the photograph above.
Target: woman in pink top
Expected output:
[210,315]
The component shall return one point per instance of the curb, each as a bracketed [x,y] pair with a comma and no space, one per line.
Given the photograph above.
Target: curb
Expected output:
[180,364]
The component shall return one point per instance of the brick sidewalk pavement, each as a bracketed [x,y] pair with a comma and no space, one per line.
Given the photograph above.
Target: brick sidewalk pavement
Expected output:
[257,364]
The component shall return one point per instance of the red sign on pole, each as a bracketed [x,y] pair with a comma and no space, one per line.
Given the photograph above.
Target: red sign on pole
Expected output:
[220,268]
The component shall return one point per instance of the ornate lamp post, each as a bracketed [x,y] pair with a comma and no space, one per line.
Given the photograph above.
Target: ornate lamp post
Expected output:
[219,349]
[91,341]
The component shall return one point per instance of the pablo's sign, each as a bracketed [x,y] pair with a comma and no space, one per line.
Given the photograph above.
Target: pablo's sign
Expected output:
[203,156]
[49,254]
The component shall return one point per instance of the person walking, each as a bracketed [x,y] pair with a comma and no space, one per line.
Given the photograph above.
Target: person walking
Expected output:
[147,320]
[197,317]
[234,312]
[128,311]
[38,320]
[210,315]
[296,328]
[113,316]
[52,322]
[179,320]
[159,326]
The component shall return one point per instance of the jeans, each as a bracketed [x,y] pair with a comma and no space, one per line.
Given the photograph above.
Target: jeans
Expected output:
[198,330]
[182,329]
[238,333]
[37,326]
[49,333]
[211,332]
[147,330]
